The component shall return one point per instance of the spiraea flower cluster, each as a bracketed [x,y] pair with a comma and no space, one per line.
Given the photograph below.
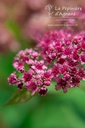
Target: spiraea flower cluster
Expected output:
[66,55]
[31,72]
[59,56]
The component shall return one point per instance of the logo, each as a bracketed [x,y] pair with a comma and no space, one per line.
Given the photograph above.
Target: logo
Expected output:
[49,9]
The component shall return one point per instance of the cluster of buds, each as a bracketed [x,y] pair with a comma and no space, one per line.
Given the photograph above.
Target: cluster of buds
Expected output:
[59,56]
[31,72]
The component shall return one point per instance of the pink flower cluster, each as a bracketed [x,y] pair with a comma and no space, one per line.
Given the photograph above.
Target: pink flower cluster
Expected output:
[65,54]
[32,72]
[59,56]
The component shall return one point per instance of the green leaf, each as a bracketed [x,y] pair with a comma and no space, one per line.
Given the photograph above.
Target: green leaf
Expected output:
[20,96]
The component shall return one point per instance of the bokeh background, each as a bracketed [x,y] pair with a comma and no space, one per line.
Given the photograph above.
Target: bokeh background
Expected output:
[22,22]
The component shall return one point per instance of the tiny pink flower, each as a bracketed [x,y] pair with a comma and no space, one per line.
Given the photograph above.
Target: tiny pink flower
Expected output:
[83,57]
[42,91]
[19,66]
[19,84]
[27,77]
[31,86]
[13,78]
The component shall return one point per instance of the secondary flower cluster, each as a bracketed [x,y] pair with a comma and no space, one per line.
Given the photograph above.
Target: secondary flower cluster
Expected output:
[60,58]
[32,72]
